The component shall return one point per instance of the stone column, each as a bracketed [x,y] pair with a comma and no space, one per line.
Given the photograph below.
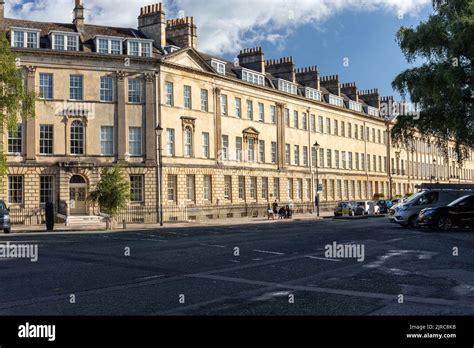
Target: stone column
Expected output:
[150,119]
[31,130]
[218,125]
[121,122]
[281,136]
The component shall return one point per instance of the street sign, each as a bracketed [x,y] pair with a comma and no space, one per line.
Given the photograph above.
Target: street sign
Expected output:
[320,189]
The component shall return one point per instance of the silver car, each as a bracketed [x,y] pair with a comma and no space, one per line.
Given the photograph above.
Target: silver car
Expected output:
[406,214]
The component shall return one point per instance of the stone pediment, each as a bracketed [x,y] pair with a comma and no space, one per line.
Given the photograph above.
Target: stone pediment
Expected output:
[188,58]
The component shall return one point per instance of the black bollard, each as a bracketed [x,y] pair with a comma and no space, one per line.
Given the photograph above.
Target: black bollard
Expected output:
[49,213]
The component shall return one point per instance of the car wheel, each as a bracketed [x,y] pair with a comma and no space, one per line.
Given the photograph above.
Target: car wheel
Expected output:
[6,230]
[444,223]
[412,222]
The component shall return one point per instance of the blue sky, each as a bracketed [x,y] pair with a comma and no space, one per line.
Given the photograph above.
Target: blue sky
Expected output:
[366,39]
[314,32]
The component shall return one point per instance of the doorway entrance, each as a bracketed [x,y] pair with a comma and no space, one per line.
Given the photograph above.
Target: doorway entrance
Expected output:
[78,195]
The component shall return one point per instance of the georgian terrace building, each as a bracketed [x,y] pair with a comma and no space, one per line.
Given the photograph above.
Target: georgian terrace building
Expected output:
[236,135]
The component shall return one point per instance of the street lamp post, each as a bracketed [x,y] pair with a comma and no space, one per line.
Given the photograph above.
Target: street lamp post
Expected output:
[159,173]
[316,146]
[435,170]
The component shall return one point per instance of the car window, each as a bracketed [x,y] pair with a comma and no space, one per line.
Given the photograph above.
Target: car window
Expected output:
[469,202]
[457,201]
[428,198]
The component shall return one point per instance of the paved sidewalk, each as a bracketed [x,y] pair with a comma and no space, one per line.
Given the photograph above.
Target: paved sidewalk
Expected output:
[61,228]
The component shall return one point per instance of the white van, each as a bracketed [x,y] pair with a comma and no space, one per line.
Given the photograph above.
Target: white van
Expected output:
[432,196]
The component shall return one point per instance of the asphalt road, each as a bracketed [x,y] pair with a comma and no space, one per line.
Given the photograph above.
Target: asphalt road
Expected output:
[280,269]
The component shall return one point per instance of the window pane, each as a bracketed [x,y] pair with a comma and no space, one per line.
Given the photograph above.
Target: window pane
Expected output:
[77,138]
[15,189]
[106,89]
[136,188]
[75,85]
[135,141]
[134,91]
[46,139]
[46,86]
[15,140]
[107,140]
[46,189]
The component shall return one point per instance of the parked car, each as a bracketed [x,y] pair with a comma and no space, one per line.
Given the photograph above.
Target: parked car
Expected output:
[4,217]
[406,214]
[384,206]
[353,209]
[368,206]
[458,213]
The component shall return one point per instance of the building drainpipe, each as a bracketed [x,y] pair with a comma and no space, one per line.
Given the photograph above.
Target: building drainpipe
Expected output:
[389,161]
[310,155]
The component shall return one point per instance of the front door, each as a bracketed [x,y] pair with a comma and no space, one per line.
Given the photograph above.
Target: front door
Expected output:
[78,196]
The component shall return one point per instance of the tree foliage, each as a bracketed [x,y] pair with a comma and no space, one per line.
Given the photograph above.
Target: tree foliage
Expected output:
[15,101]
[442,84]
[112,191]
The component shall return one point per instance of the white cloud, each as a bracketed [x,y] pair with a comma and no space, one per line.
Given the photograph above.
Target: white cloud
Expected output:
[224,26]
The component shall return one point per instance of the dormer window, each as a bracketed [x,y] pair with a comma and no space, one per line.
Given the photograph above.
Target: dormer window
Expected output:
[336,100]
[62,41]
[108,45]
[373,111]
[355,106]
[312,93]
[253,77]
[139,48]
[286,86]
[25,38]
[218,66]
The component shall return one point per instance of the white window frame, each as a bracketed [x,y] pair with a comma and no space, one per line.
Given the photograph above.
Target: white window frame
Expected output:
[336,100]
[135,96]
[371,111]
[135,143]
[109,40]
[25,32]
[253,77]
[46,142]
[312,93]
[65,44]
[107,140]
[15,140]
[286,86]
[140,52]
[355,106]
[218,66]
[105,92]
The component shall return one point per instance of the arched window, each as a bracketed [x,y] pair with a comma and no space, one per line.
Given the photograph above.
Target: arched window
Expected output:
[77,138]
[188,142]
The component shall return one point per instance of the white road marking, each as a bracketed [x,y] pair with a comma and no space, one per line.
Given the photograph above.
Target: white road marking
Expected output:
[152,277]
[364,294]
[213,246]
[268,252]
[322,258]
[177,234]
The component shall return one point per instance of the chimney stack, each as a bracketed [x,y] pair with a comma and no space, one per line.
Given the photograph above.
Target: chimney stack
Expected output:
[153,24]
[309,77]
[79,16]
[350,89]
[182,32]
[2,9]
[282,68]
[370,97]
[253,59]
[331,83]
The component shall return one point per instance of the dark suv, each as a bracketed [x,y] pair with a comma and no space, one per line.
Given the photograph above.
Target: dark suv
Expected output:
[458,213]
[4,217]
